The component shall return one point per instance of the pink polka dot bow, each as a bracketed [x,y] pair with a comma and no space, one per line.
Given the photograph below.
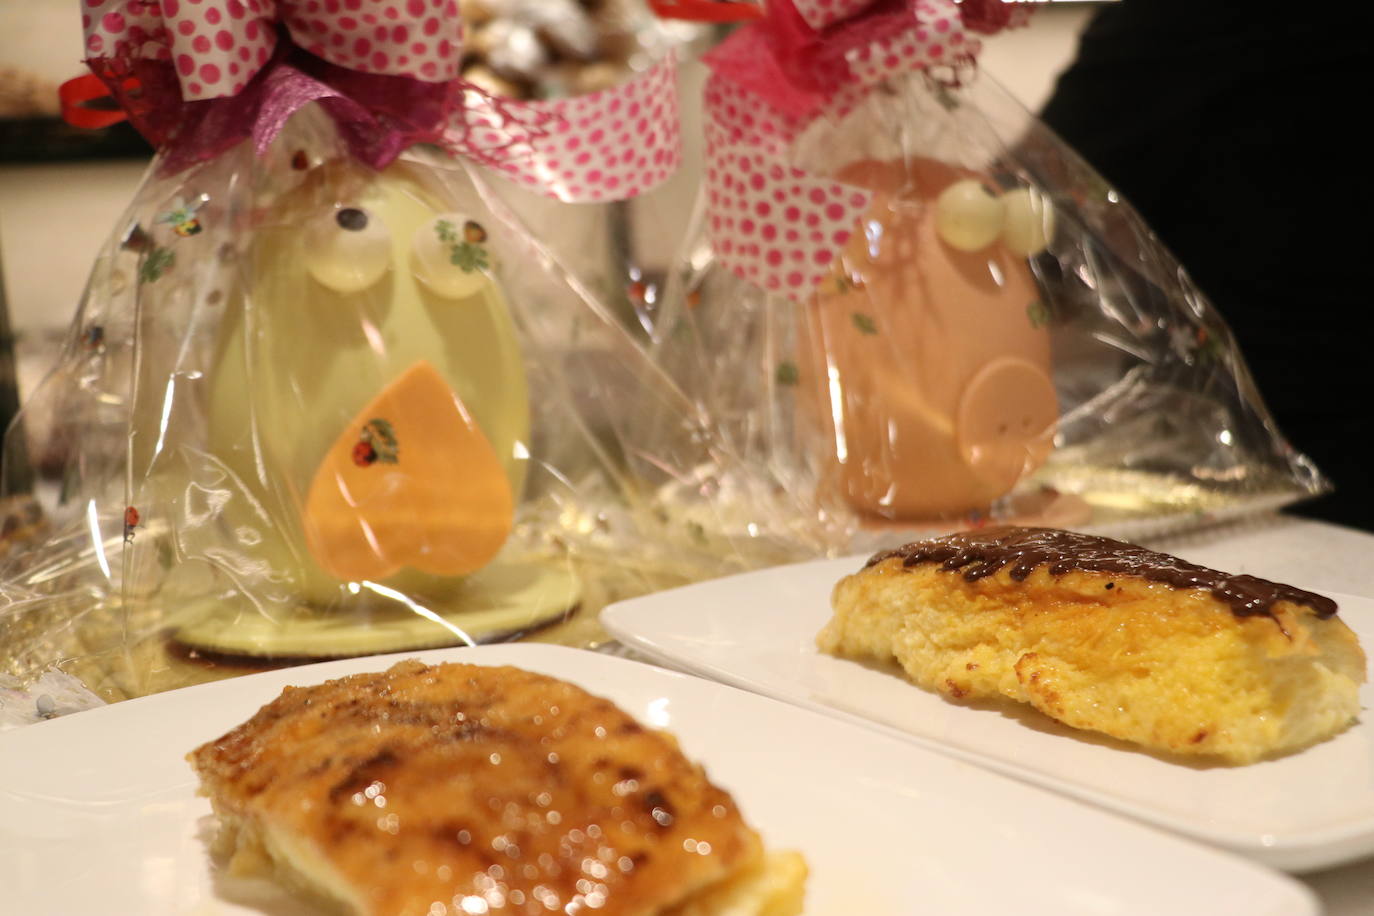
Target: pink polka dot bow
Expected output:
[197,76]
[770,222]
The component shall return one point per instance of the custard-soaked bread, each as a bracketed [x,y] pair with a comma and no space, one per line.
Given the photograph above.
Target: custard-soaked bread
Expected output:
[1106,636]
[464,789]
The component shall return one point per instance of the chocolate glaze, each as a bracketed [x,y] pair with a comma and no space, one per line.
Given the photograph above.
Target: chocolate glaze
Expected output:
[977,554]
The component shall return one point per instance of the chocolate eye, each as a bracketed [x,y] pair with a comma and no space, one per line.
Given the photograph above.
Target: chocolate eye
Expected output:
[967,217]
[1028,226]
[449,255]
[348,249]
[352,219]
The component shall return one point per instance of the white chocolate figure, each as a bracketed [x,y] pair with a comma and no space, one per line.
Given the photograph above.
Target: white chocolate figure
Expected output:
[370,415]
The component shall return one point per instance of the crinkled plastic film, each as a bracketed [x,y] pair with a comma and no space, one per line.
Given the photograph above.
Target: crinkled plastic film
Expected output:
[245,368]
[311,410]
[1044,361]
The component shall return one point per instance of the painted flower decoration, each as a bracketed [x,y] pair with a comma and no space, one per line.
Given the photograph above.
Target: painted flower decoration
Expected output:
[466,252]
[182,216]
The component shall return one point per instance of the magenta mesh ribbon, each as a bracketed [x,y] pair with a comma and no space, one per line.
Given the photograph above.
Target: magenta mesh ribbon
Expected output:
[770,222]
[198,76]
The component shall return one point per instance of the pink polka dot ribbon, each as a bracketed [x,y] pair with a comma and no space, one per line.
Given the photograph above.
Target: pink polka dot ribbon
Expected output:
[607,145]
[388,71]
[770,222]
[217,46]
[821,13]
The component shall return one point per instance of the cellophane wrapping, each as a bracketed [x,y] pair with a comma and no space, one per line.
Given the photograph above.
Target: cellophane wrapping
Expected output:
[1052,364]
[309,410]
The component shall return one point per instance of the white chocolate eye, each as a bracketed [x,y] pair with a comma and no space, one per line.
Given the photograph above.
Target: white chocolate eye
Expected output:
[449,255]
[1028,224]
[348,250]
[967,217]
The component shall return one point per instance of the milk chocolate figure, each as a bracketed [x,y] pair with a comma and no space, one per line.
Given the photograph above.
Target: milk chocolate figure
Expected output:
[924,361]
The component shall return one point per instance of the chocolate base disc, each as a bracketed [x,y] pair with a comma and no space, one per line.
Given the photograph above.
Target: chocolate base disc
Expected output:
[499,602]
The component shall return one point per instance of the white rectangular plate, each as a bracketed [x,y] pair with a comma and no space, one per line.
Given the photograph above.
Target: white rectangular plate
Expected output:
[1302,812]
[98,811]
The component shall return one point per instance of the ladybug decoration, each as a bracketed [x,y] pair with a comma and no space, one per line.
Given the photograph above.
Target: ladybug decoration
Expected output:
[376,442]
[182,216]
[363,453]
[131,521]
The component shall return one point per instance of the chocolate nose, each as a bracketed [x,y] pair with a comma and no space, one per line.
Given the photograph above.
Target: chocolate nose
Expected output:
[1005,423]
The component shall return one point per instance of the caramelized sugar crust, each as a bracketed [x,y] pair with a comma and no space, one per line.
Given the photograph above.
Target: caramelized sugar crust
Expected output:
[478,788]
